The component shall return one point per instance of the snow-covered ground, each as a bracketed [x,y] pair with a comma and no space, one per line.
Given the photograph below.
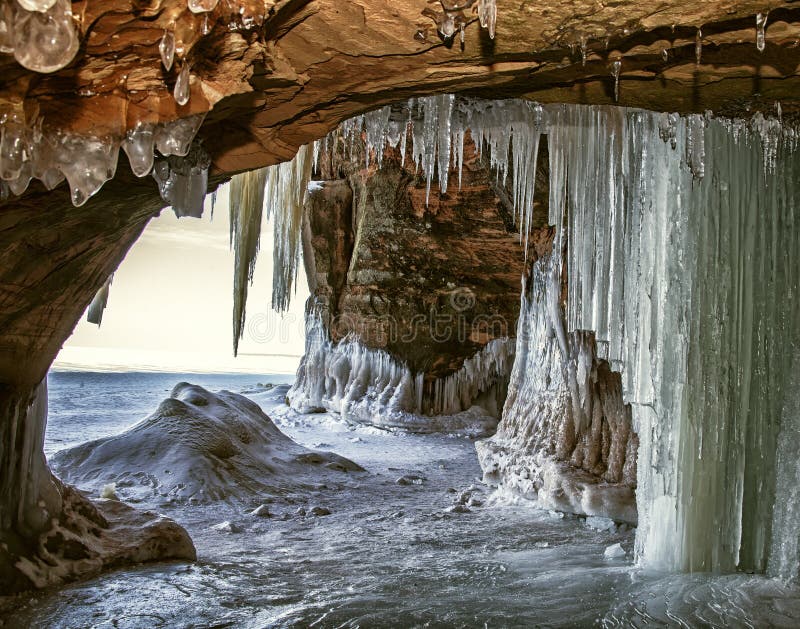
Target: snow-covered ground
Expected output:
[417,540]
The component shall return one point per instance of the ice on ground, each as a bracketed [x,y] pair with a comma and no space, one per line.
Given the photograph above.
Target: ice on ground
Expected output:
[199,446]
[615,551]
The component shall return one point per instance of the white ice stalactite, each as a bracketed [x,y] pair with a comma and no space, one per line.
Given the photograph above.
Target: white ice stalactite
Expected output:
[286,189]
[784,556]
[202,6]
[370,386]
[276,192]
[246,209]
[684,262]
[761,25]
[94,313]
[438,126]
[181,92]
[166,48]
[487,14]
[486,370]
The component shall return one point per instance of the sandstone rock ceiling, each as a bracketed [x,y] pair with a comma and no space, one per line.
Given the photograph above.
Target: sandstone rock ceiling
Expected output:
[275,75]
[275,82]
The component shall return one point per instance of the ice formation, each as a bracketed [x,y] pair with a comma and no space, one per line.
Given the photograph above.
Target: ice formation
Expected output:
[183,181]
[182,86]
[202,447]
[28,151]
[166,48]
[681,258]
[94,313]
[281,190]
[44,35]
[202,6]
[370,386]
[487,14]
[761,25]
[246,207]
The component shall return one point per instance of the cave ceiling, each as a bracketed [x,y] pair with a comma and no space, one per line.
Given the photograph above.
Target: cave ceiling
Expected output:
[275,75]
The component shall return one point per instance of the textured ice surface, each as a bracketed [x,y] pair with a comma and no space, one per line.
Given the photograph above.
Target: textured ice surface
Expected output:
[45,37]
[183,181]
[198,446]
[370,386]
[390,555]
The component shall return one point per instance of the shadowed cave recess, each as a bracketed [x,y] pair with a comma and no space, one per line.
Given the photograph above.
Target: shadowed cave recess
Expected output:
[567,230]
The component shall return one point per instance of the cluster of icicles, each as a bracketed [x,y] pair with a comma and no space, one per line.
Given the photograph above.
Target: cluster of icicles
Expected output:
[509,131]
[373,387]
[681,254]
[86,162]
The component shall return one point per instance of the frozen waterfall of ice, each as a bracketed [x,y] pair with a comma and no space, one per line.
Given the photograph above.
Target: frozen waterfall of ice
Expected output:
[682,257]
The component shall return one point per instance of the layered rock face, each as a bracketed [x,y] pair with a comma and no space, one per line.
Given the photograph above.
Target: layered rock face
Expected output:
[418,289]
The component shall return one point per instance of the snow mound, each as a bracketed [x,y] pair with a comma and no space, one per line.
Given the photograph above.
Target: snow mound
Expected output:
[201,447]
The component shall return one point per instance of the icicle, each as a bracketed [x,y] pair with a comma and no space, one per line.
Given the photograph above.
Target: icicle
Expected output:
[94,314]
[45,41]
[13,146]
[698,46]
[665,54]
[370,386]
[616,66]
[182,86]
[202,6]
[36,5]
[447,27]
[761,24]
[139,146]
[246,208]
[286,190]
[175,138]
[6,28]
[166,48]
[583,50]
[487,14]
[87,174]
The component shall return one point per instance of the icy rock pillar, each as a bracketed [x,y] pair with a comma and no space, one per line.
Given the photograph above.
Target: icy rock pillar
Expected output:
[29,495]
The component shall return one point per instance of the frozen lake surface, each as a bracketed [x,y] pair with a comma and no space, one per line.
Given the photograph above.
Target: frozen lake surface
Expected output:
[389,554]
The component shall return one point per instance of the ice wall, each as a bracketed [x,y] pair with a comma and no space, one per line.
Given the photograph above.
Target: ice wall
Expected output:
[682,247]
[681,251]
[370,386]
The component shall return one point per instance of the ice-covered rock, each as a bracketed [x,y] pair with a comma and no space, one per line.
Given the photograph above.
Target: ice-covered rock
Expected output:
[203,447]
[615,551]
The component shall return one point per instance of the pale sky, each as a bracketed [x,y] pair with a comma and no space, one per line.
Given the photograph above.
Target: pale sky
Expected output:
[171,301]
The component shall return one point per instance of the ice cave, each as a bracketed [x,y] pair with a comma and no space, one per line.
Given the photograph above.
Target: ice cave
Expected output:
[547,257]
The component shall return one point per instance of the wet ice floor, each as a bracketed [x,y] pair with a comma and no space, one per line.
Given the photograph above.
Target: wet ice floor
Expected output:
[392,555]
